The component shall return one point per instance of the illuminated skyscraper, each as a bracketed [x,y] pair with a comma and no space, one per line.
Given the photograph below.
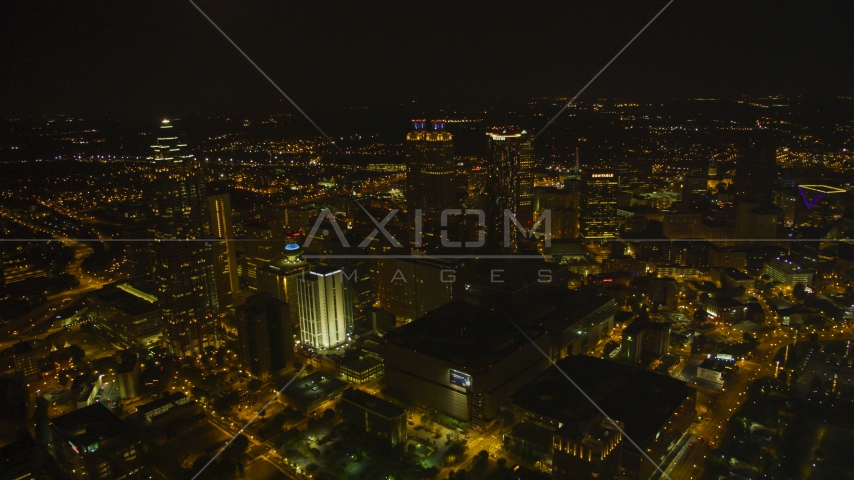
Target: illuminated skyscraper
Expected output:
[183,266]
[326,308]
[225,254]
[430,186]
[511,184]
[280,278]
[599,203]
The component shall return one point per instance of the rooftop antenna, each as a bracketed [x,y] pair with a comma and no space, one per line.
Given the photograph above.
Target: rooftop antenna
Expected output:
[577,163]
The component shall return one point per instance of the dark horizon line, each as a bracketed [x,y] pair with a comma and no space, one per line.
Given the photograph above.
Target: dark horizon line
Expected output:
[332,107]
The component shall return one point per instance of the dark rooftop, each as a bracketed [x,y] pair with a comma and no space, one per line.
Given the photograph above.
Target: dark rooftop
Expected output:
[461,333]
[737,275]
[21,348]
[570,306]
[313,386]
[132,298]
[641,399]
[371,402]
[715,364]
[534,433]
[88,425]
[360,363]
[173,397]
[515,275]
[127,363]
[639,325]
[726,302]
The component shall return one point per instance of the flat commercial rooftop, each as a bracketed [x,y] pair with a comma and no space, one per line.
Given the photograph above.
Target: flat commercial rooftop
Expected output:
[310,388]
[131,298]
[461,333]
[641,399]
[85,426]
[360,363]
[510,276]
[373,403]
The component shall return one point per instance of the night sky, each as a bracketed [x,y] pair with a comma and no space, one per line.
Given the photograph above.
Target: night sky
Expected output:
[155,57]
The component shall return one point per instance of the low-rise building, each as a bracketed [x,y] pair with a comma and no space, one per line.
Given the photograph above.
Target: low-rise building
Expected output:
[714,370]
[587,449]
[92,388]
[312,392]
[94,443]
[361,369]
[725,309]
[653,410]
[733,278]
[371,414]
[787,273]
[578,324]
[162,405]
[129,311]
[462,360]
[727,257]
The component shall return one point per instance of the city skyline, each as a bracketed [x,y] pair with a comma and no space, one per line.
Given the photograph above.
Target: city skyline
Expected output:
[435,241]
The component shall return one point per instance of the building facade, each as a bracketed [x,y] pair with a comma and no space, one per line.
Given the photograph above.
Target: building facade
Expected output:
[225,251]
[263,244]
[280,278]
[787,273]
[183,266]
[93,443]
[430,187]
[128,310]
[326,308]
[373,415]
[599,203]
[511,185]
[265,335]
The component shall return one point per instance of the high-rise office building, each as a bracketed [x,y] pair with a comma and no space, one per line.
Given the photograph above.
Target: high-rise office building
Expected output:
[563,204]
[681,225]
[225,253]
[263,243]
[182,254]
[430,182]
[411,287]
[326,307]
[280,278]
[599,203]
[694,190]
[754,223]
[755,172]
[359,271]
[265,335]
[511,184]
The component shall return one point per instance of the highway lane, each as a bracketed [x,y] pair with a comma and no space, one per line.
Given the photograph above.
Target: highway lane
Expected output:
[43,313]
